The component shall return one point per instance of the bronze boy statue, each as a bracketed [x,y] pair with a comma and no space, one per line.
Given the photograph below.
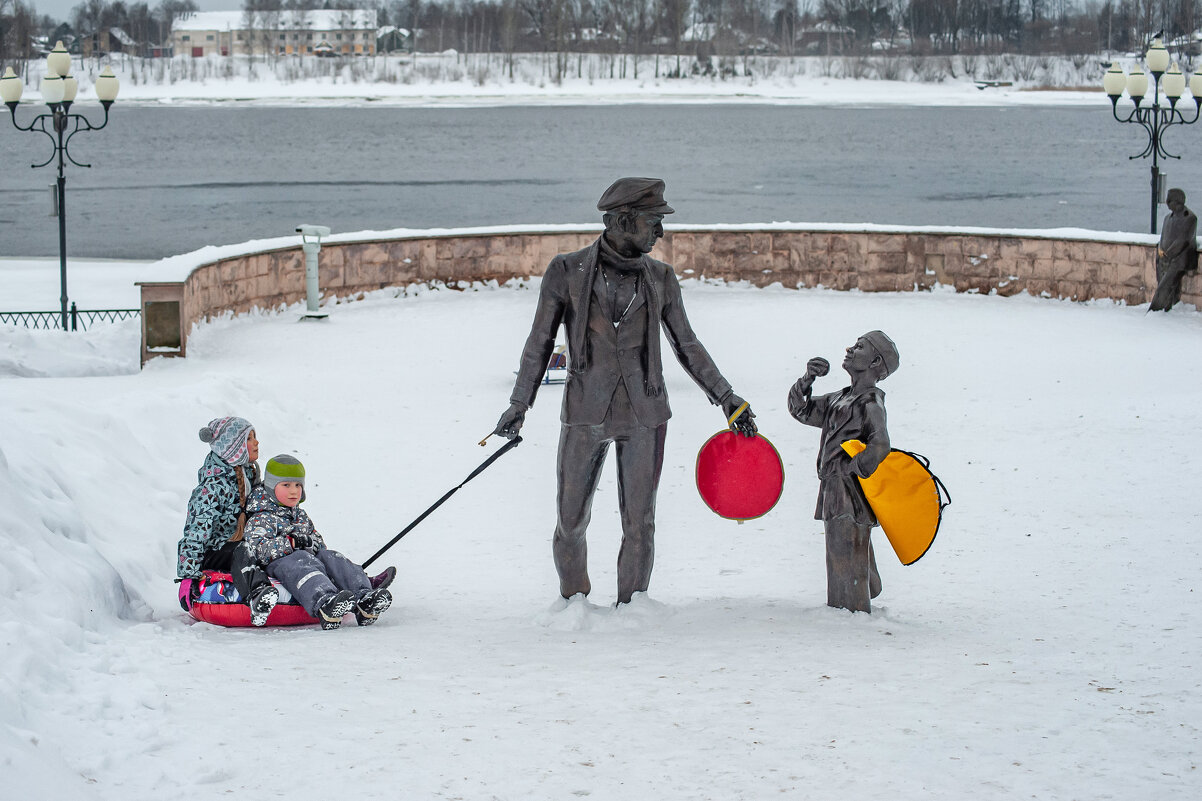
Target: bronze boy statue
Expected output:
[613,300]
[854,412]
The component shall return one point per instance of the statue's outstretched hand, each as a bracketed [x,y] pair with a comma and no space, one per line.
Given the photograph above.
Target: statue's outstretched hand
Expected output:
[511,421]
[744,423]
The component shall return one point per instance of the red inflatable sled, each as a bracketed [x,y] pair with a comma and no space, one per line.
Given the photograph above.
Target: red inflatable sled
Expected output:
[217,603]
[739,478]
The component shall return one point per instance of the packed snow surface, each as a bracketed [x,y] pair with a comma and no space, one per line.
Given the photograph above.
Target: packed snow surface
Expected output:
[1047,647]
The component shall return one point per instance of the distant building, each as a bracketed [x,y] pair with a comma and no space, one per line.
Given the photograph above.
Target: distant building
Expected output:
[113,40]
[391,39]
[825,38]
[317,32]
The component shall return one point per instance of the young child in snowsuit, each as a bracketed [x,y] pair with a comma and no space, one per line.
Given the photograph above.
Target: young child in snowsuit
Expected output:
[281,537]
[854,412]
[213,531]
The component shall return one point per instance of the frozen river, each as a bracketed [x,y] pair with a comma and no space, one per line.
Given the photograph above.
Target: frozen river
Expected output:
[170,179]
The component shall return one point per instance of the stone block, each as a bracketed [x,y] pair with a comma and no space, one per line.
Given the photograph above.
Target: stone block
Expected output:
[427,264]
[329,275]
[367,253]
[1068,249]
[976,267]
[875,282]
[1038,268]
[1008,288]
[703,243]
[470,248]
[891,262]
[1042,286]
[760,243]
[883,243]
[750,265]
[334,256]
[1065,269]
[807,278]
[1135,297]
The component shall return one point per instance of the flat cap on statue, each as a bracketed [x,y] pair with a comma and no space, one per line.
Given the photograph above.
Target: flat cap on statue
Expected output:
[885,348]
[635,194]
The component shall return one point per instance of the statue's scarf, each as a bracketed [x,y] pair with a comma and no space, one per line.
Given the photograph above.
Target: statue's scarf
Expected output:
[609,257]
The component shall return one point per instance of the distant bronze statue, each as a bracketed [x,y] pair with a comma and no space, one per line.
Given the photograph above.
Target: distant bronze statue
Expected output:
[1177,253]
[854,412]
[612,300]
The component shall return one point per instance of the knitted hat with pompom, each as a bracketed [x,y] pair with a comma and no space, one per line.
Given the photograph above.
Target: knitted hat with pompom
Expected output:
[227,436]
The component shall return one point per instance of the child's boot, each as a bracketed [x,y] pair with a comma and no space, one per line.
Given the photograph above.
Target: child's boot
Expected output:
[384,579]
[261,602]
[333,607]
[370,605]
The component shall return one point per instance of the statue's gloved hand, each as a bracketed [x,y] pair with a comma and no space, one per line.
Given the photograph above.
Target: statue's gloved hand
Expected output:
[815,368]
[743,424]
[511,421]
[857,467]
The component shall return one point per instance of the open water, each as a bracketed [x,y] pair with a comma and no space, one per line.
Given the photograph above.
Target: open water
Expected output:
[167,179]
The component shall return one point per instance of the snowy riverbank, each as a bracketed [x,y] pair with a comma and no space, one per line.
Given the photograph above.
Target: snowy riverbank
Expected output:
[450,78]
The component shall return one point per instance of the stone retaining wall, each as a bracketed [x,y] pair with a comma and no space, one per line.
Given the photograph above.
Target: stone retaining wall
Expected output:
[871,261]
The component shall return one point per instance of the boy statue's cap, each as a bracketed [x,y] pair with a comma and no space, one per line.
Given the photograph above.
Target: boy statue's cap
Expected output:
[884,348]
[284,468]
[635,194]
[226,437]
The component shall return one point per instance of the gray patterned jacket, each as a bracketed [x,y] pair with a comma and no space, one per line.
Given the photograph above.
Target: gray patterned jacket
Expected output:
[272,526]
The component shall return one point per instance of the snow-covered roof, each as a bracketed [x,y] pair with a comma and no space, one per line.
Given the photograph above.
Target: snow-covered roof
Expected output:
[316,20]
[122,37]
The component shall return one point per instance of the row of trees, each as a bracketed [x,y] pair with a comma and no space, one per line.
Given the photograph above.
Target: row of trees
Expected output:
[24,33]
[722,27]
[791,27]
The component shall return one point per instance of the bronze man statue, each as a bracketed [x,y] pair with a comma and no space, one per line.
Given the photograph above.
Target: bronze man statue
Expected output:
[1177,253]
[612,300]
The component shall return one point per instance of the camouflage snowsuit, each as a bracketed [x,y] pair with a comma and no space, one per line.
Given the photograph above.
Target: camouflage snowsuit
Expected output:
[312,573]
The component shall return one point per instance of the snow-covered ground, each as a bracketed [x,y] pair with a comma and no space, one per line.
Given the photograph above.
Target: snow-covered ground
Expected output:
[1047,647]
[449,79]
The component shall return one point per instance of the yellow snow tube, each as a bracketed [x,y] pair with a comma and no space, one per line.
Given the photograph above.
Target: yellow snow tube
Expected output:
[907,499]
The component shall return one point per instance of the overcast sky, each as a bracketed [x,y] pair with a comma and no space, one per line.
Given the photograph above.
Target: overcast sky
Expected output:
[61,9]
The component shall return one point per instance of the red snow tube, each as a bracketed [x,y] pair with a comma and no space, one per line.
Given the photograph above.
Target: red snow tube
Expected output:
[213,605]
[237,615]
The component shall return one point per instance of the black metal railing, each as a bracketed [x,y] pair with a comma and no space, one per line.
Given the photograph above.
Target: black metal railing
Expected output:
[80,319]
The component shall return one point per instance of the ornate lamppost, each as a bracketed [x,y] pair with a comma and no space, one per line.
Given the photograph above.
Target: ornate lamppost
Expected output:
[1155,118]
[58,92]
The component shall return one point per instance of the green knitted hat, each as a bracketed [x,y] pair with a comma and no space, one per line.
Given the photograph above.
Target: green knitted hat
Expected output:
[283,468]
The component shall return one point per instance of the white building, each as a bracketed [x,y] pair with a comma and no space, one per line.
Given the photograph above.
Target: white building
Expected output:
[318,32]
